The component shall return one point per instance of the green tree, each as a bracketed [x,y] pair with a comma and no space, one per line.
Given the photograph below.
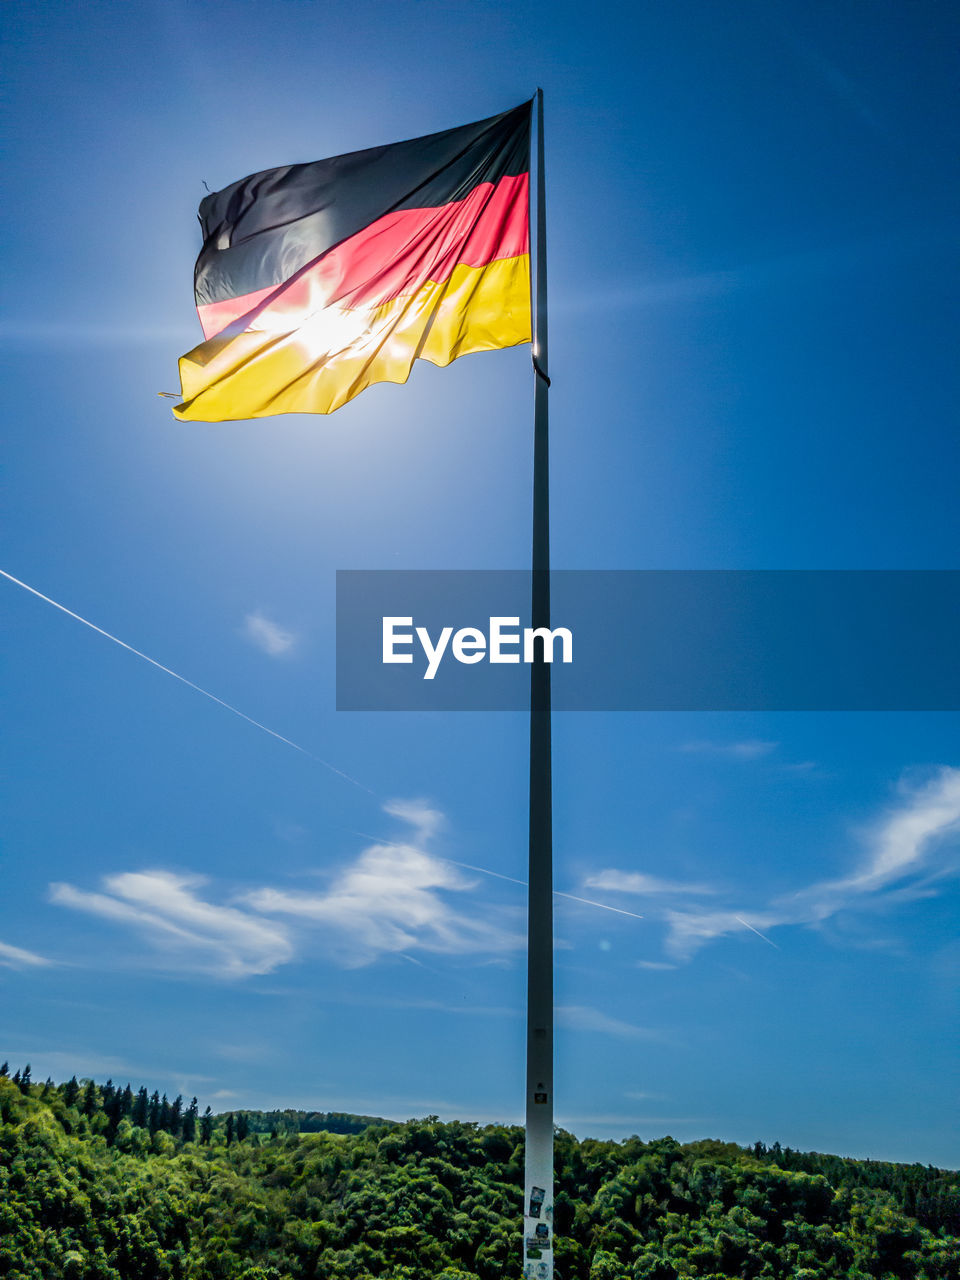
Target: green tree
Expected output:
[140,1112]
[190,1121]
[89,1100]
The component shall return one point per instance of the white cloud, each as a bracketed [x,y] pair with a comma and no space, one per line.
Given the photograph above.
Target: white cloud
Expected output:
[290,832]
[17,958]
[690,930]
[907,834]
[440,1006]
[425,820]
[391,900]
[165,909]
[624,1120]
[268,636]
[900,863]
[637,882]
[257,1051]
[578,1017]
[63,1063]
[751,749]
[655,964]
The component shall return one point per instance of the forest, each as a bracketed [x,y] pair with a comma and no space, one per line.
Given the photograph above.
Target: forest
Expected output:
[102,1182]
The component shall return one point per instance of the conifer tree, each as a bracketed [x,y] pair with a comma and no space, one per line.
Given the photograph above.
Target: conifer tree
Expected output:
[24,1081]
[140,1114]
[230,1128]
[89,1103]
[206,1127]
[71,1091]
[190,1121]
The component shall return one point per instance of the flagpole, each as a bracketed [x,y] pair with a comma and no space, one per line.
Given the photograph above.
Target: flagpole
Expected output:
[538,1170]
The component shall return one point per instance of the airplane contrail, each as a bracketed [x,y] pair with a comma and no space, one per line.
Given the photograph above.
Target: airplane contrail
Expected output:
[602,905]
[746,925]
[290,743]
[183,680]
[498,875]
[557,893]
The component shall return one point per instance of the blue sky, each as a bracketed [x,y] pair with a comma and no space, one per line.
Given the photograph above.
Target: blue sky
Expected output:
[753,336]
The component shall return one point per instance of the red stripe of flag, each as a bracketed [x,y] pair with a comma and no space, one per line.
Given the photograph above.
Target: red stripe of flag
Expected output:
[397,254]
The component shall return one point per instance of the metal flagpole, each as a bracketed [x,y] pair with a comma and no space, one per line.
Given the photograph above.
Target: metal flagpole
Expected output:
[538,1170]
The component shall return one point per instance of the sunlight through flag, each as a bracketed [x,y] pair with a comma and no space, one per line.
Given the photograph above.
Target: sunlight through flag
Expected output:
[318,280]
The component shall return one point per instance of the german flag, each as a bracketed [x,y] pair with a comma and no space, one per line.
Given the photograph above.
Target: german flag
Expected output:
[317,280]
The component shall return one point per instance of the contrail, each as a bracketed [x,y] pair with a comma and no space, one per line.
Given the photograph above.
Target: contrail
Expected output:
[498,875]
[757,932]
[556,893]
[602,905]
[467,866]
[183,680]
[296,746]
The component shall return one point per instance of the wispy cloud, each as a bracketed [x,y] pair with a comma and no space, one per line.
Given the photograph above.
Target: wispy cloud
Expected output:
[899,846]
[82,1062]
[446,1006]
[624,1120]
[17,958]
[846,89]
[907,850]
[749,749]
[688,931]
[394,898]
[290,832]
[830,262]
[250,1051]
[166,909]
[422,816]
[83,333]
[268,636]
[638,882]
[176,676]
[577,1017]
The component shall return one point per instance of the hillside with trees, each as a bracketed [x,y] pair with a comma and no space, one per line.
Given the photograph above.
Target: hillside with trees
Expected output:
[101,1182]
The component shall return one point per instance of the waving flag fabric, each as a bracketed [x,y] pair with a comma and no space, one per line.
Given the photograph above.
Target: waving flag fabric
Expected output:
[317,280]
